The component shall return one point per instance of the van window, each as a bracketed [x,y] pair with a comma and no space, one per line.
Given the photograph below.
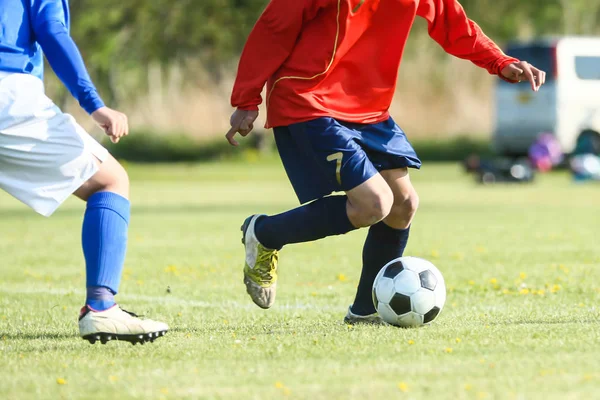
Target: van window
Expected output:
[587,67]
[540,56]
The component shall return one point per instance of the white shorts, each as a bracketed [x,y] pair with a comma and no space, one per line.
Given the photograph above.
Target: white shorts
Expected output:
[44,154]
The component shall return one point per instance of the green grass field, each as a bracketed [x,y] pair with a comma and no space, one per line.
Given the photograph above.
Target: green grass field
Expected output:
[522,266]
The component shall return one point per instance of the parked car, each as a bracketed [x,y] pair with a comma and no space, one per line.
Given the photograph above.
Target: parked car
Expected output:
[568,105]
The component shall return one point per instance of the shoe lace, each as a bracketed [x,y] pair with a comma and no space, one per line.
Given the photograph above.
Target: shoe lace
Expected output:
[267,264]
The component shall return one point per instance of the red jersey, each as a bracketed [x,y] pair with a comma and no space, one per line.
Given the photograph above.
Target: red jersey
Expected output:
[340,58]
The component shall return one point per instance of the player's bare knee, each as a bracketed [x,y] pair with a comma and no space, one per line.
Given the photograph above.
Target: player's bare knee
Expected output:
[404,209]
[375,208]
[118,181]
[111,177]
[382,206]
[409,203]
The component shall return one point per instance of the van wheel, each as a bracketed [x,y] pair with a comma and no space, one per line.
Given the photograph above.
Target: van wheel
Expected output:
[588,142]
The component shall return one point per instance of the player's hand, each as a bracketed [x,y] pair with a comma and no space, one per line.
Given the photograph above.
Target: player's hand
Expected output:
[242,122]
[521,71]
[113,123]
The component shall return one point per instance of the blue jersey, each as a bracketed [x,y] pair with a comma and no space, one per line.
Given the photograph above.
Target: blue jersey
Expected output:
[30,27]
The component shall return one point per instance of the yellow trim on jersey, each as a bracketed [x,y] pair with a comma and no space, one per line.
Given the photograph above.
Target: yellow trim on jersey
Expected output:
[355,9]
[304,78]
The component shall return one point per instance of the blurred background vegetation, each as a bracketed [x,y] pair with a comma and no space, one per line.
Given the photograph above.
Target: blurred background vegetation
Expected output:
[170,63]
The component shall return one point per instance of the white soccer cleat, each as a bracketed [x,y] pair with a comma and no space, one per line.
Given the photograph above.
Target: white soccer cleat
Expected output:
[355,319]
[118,324]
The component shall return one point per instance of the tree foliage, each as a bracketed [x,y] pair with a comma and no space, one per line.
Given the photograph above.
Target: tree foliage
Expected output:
[117,35]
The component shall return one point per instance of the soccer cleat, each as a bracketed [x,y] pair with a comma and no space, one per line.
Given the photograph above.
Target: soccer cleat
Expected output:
[260,268]
[355,319]
[118,324]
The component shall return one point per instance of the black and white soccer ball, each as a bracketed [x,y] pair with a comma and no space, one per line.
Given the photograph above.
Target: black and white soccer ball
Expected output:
[409,292]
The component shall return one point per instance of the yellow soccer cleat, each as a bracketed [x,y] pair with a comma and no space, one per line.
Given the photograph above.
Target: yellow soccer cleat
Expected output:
[260,268]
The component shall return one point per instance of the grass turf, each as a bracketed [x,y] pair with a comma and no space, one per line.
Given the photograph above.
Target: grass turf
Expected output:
[521,321]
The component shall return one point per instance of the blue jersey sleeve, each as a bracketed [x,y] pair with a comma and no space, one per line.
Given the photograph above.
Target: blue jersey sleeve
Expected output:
[49,20]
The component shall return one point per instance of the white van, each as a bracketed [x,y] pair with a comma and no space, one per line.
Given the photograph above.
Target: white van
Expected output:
[568,105]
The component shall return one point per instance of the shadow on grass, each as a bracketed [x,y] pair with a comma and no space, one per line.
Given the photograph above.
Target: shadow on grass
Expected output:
[162,210]
[545,322]
[38,336]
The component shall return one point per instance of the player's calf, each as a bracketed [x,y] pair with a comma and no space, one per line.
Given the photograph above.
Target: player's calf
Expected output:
[104,232]
[387,239]
[104,242]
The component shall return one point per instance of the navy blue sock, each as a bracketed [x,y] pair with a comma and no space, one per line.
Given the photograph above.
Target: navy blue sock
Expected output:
[312,221]
[383,244]
[104,242]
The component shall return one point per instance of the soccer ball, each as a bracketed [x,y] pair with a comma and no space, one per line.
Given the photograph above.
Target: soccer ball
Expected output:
[409,292]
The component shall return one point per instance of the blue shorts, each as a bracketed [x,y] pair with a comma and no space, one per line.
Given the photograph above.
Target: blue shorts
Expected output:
[325,155]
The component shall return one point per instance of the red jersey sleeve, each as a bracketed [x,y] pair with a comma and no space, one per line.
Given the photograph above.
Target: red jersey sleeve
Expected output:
[269,44]
[458,35]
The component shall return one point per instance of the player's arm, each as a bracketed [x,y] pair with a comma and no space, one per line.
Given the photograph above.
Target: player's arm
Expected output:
[269,44]
[49,22]
[449,25]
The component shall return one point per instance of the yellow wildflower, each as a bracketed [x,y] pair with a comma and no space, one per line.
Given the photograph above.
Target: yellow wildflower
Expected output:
[522,275]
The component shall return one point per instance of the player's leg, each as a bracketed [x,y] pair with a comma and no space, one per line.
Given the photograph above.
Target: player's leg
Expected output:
[387,239]
[104,232]
[45,157]
[319,158]
[104,242]
[362,206]
[391,152]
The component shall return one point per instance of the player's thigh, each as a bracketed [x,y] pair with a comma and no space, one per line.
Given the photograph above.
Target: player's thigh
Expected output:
[45,155]
[111,177]
[321,157]
[406,199]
